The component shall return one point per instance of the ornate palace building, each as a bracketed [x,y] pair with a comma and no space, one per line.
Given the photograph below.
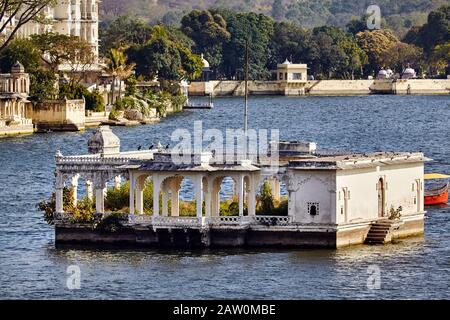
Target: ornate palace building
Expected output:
[334,199]
[69,17]
[15,109]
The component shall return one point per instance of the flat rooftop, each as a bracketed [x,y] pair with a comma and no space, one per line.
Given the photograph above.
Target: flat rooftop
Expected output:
[357,160]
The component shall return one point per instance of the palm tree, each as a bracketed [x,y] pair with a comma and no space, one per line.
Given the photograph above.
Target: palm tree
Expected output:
[119,69]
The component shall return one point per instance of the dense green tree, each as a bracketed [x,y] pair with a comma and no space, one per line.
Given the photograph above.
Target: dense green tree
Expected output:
[340,55]
[356,26]
[401,55]
[209,32]
[436,31]
[257,30]
[165,58]
[290,41]
[22,50]
[123,32]
[43,85]
[56,49]
[375,43]
[440,58]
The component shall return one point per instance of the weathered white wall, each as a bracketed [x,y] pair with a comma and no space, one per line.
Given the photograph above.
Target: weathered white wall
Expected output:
[401,190]
[60,112]
[313,186]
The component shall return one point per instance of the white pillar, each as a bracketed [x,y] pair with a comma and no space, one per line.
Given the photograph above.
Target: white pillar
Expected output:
[117,182]
[139,200]
[208,197]
[240,192]
[276,188]
[252,196]
[215,198]
[156,191]
[60,200]
[199,195]
[175,198]
[165,201]
[100,200]
[89,190]
[132,191]
[74,189]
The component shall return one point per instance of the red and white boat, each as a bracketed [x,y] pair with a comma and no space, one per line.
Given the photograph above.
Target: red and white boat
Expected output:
[438,195]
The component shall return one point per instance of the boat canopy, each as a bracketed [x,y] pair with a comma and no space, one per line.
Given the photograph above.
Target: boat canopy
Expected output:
[434,176]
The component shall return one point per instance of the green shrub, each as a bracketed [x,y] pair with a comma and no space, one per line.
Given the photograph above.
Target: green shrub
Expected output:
[114,114]
[118,199]
[266,200]
[94,101]
[84,212]
[178,102]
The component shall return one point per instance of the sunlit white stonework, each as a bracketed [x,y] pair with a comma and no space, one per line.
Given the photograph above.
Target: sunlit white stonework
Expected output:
[335,199]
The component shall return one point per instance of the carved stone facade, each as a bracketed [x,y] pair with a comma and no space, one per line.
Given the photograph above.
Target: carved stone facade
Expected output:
[15,109]
[328,196]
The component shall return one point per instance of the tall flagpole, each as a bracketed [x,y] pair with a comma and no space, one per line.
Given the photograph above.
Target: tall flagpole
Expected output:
[246,100]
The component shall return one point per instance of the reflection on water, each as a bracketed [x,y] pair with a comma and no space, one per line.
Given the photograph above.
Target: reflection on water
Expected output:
[31,267]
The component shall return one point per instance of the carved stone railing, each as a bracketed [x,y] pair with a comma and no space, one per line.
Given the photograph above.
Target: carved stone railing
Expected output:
[92,160]
[231,220]
[140,219]
[273,220]
[161,221]
[177,221]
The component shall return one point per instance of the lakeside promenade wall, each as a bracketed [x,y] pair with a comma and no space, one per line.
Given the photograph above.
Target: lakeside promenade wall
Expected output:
[322,87]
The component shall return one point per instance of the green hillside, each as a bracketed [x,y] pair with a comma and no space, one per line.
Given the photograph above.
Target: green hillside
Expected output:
[399,15]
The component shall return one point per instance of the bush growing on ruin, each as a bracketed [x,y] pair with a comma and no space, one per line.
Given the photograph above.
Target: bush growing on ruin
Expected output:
[265,201]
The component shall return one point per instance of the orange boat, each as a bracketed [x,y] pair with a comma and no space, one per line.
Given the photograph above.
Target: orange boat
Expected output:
[439,195]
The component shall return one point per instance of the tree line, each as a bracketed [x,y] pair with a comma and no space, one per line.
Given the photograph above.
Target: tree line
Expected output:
[330,52]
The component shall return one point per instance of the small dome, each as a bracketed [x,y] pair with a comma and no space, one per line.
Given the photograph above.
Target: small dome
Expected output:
[18,68]
[104,141]
[205,62]
[287,62]
[409,71]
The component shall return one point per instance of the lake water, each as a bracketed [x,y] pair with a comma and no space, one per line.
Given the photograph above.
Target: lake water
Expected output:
[31,267]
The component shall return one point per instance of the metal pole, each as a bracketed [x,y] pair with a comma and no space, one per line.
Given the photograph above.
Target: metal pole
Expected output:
[246,99]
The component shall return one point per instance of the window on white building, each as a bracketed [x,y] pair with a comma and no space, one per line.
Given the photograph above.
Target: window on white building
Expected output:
[313,208]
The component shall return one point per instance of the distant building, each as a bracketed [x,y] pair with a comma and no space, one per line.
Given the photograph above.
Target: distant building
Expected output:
[68,17]
[292,78]
[206,71]
[292,73]
[15,110]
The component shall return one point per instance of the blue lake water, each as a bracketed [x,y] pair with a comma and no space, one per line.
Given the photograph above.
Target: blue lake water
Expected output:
[31,267]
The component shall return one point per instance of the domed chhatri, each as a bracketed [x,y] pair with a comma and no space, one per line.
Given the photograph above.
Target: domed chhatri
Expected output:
[409,73]
[18,68]
[104,142]
[205,62]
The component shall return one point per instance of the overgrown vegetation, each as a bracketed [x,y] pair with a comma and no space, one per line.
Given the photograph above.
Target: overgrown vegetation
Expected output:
[117,203]
[345,50]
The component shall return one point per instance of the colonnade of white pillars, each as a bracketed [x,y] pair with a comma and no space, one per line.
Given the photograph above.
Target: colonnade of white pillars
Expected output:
[206,189]
[99,190]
